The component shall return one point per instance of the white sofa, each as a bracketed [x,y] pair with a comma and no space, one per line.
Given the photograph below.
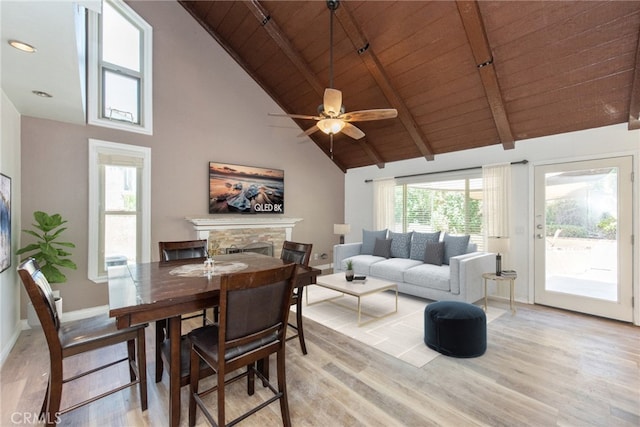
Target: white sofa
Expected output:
[459,279]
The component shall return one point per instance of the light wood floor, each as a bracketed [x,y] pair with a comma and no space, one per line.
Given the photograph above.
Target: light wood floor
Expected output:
[543,367]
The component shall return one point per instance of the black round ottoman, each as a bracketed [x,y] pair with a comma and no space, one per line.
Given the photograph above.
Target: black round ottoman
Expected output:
[455,328]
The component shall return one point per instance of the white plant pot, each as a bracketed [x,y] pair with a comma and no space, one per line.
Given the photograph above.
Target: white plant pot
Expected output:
[32,317]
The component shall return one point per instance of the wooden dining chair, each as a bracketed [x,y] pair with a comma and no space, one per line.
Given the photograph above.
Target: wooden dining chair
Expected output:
[184,249]
[300,253]
[181,250]
[173,251]
[79,337]
[248,332]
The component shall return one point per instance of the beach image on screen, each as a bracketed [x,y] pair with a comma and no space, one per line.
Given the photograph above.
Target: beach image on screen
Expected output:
[245,189]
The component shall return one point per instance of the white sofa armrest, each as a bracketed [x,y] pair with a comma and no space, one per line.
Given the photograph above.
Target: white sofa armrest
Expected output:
[343,251]
[466,273]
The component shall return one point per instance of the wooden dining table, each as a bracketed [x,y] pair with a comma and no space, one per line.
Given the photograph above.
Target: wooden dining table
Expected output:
[147,292]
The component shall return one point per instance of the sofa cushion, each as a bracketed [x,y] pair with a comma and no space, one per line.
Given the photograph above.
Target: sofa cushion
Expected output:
[429,276]
[454,246]
[369,240]
[400,245]
[419,243]
[361,263]
[392,269]
[382,248]
[434,253]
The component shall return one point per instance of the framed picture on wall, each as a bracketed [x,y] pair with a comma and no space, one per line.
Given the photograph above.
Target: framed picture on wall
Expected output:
[5,222]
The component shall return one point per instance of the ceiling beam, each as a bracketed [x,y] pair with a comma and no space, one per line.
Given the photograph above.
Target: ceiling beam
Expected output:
[477,36]
[370,151]
[370,59]
[634,102]
[276,34]
[274,31]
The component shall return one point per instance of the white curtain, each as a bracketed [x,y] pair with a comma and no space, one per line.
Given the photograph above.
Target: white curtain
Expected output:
[383,203]
[496,184]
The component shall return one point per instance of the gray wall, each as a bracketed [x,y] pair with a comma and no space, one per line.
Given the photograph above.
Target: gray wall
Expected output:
[205,108]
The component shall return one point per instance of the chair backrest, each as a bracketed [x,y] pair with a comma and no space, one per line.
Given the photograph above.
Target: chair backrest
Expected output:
[300,253]
[254,310]
[41,296]
[185,249]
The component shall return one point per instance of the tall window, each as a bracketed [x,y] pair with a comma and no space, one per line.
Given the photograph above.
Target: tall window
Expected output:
[119,206]
[120,69]
[453,206]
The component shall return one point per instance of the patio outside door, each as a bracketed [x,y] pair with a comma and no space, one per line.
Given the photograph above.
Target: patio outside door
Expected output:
[583,237]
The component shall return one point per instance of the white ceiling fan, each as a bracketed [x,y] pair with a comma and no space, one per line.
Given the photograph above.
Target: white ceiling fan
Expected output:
[332,118]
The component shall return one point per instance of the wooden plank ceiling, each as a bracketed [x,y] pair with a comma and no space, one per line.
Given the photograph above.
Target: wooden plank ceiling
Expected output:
[462,74]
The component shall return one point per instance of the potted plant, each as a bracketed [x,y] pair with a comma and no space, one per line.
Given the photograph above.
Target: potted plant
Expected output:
[48,251]
[349,273]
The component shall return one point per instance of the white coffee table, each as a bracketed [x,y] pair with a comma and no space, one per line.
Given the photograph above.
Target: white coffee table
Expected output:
[372,285]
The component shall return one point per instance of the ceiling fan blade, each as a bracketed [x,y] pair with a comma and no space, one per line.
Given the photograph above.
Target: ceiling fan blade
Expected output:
[368,115]
[352,131]
[296,116]
[332,102]
[309,131]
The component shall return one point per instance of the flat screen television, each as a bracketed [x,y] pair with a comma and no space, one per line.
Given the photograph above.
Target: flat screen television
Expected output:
[245,189]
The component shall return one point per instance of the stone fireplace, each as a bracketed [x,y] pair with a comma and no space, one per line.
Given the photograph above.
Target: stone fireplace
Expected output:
[229,234]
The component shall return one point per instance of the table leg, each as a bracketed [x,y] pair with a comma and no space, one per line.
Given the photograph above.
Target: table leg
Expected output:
[396,299]
[299,325]
[485,294]
[174,371]
[512,296]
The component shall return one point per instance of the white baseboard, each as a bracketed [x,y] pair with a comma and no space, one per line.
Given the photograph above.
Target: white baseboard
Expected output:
[7,349]
[74,315]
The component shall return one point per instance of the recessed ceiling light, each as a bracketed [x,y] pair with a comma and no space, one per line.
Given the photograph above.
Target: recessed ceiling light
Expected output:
[42,94]
[25,47]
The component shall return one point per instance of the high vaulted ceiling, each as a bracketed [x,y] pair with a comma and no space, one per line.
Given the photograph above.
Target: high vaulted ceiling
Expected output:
[462,74]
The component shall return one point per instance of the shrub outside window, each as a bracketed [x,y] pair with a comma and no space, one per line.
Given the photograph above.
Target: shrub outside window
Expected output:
[449,205]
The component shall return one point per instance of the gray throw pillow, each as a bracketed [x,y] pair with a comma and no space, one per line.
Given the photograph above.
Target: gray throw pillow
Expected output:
[454,246]
[369,240]
[419,243]
[434,252]
[382,248]
[400,244]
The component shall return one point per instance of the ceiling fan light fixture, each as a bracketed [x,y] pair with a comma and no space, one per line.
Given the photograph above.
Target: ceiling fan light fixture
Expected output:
[331,126]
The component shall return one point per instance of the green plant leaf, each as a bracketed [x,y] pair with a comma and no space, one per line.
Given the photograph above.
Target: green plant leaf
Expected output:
[47,251]
[52,274]
[62,253]
[67,244]
[28,248]
[34,234]
[48,222]
[55,235]
[68,263]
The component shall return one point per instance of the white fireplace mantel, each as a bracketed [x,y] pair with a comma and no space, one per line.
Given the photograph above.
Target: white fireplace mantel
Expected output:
[204,225]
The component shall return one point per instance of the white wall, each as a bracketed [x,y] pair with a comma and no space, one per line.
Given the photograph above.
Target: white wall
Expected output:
[9,283]
[593,143]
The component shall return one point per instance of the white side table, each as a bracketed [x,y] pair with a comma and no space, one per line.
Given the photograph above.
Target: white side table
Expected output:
[510,278]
